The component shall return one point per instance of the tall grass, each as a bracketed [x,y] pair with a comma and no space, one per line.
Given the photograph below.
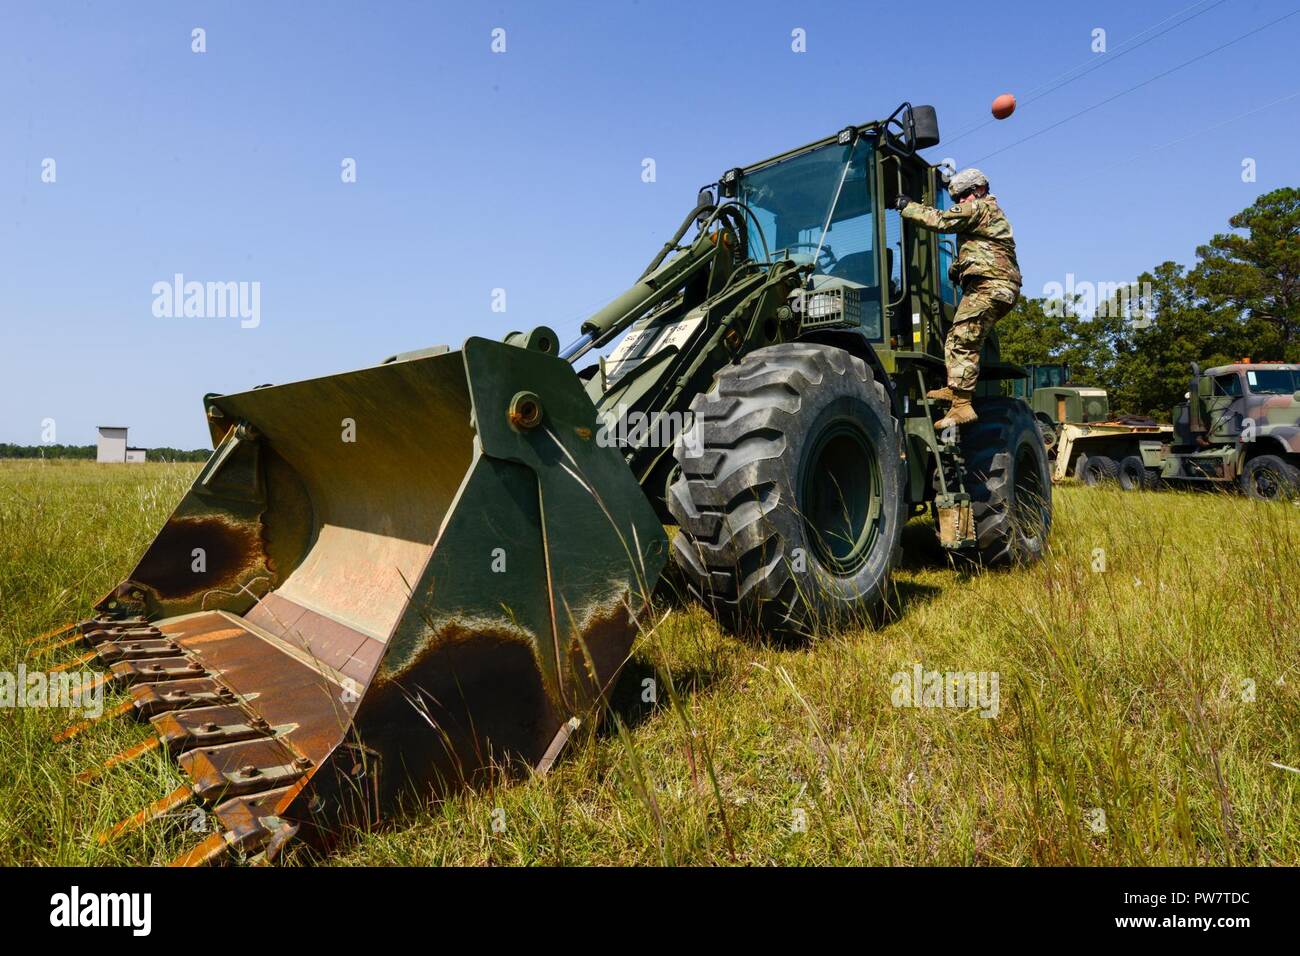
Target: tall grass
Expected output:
[1148,711]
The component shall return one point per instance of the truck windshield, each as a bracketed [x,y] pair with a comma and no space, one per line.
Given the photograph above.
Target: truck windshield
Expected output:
[1273,381]
[1050,376]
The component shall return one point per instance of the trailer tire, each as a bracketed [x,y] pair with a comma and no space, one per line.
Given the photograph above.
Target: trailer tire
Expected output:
[1093,470]
[1048,431]
[1133,475]
[1270,478]
[791,500]
[1009,482]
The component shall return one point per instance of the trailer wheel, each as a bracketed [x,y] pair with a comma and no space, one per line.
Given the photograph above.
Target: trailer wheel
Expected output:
[1009,481]
[790,502]
[1133,474]
[1048,431]
[1093,470]
[1270,478]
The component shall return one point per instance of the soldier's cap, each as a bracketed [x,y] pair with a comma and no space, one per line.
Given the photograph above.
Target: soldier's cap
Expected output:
[966,180]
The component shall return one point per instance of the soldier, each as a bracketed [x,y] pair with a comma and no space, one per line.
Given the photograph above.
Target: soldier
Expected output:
[987,272]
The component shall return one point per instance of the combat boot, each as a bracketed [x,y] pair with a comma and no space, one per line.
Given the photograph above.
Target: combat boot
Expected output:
[961,412]
[940,394]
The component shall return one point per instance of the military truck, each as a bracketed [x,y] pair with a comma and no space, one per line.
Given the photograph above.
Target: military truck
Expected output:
[1240,425]
[1056,400]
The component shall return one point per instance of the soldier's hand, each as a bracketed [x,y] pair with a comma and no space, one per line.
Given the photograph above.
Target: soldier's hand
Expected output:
[901,203]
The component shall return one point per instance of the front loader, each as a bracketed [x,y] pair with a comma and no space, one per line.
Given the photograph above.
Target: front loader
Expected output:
[407,578]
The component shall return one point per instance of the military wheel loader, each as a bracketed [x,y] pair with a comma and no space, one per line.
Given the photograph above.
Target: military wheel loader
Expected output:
[409,577]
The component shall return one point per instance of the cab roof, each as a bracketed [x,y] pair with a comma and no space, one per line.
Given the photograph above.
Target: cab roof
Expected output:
[1250,367]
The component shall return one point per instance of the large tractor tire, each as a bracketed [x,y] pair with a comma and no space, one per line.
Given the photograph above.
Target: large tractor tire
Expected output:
[1009,481]
[1270,478]
[1093,470]
[790,502]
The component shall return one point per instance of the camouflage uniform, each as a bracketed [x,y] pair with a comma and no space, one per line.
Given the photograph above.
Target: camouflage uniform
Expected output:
[987,271]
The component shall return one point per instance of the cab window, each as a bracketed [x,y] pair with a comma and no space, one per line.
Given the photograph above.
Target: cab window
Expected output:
[1227,384]
[947,251]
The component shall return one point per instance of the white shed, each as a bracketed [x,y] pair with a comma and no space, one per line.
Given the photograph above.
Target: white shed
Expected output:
[113,448]
[112,444]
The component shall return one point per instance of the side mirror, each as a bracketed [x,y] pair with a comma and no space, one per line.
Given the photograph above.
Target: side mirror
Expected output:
[1296,396]
[926,123]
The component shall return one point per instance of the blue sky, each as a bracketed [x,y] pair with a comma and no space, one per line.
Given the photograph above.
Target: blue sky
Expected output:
[522,170]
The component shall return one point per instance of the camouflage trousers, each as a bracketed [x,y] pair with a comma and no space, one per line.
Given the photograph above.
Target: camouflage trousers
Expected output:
[983,302]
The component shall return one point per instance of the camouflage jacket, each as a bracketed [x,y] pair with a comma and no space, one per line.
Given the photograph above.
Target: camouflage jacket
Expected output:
[986,248]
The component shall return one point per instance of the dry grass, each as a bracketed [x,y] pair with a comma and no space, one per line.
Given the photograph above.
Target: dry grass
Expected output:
[1123,691]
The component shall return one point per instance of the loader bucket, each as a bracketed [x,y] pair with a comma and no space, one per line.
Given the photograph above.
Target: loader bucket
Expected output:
[395,579]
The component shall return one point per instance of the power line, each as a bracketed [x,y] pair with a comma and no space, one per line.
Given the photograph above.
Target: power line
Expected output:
[1128,46]
[1095,64]
[1131,89]
[1197,134]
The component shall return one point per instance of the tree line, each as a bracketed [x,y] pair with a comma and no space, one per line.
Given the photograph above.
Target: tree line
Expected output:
[88,452]
[1240,300]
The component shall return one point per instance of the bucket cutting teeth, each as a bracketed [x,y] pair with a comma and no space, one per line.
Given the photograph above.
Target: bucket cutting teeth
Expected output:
[53,636]
[137,649]
[148,670]
[213,848]
[126,756]
[163,696]
[156,810]
[180,730]
[82,726]
[79,661]
[239,764]
[58,645]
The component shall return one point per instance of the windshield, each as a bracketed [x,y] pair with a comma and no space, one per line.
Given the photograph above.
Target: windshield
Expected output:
[789,201]
[1049,376]
[1273,381]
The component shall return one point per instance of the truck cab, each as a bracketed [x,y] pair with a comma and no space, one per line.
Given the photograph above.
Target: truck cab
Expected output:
[1253,404]
[1055,398]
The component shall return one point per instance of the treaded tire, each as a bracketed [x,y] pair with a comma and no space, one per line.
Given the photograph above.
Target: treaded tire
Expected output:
[1133,474]
[1093,470]
[1048,431]
[1009,481]
[768,425]
[1270,478]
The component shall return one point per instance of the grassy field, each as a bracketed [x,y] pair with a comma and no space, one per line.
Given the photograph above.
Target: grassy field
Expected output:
[1148,712]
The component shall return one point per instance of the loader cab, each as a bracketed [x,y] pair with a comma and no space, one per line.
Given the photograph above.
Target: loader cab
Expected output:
[822,206]
[790,200]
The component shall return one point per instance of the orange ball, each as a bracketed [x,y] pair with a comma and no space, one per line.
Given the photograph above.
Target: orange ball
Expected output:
[1004,106]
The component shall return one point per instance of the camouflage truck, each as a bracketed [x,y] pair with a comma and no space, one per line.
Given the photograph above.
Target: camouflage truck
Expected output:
[1240,425]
